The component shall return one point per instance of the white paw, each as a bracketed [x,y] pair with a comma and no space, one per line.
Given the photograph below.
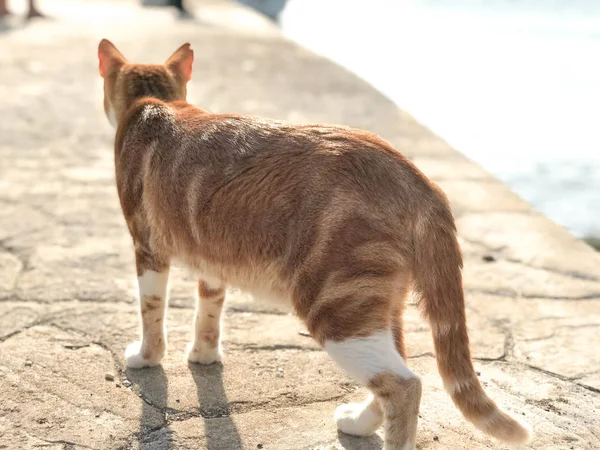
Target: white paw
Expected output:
[135,360]
[202,354]
[358,419]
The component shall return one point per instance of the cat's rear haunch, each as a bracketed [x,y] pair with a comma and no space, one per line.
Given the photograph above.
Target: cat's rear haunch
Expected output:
[330,219]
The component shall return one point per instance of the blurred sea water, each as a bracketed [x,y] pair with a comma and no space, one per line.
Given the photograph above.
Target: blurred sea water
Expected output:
[513,84]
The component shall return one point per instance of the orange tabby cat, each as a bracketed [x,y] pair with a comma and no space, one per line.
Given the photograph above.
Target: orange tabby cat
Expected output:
[331,219]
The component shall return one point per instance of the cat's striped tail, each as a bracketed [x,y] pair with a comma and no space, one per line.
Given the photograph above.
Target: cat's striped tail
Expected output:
[438,283]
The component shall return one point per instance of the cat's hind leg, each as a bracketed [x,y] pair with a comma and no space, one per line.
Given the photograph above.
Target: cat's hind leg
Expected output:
[363,419]
[374,361]
[153,277]
[205,347]
[358,322]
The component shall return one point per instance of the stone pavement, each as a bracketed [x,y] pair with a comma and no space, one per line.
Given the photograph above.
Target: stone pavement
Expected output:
[67,279]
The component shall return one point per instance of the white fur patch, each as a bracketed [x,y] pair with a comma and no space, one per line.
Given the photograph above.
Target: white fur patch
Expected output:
[153,333]
[359,419]
[201,353]
[153,283]
[364,358]
[135,360]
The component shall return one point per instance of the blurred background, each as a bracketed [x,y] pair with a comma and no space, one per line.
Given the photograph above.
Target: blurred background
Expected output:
[513,84]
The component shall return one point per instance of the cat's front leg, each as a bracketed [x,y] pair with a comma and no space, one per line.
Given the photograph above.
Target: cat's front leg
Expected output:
[153,277]
[205,347]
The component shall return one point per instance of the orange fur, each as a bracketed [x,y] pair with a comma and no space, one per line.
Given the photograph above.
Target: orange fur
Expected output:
[332,218]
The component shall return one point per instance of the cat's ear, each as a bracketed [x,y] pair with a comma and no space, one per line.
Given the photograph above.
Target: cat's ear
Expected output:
[109,58]
[180,62]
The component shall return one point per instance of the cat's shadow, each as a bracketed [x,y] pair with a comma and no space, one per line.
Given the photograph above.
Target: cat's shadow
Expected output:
[152,385]
[219,428]
[220,432]
[349,442]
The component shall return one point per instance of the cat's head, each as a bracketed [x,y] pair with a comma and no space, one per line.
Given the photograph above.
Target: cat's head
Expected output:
[124,82]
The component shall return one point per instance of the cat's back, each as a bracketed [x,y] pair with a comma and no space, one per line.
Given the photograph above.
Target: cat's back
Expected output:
[227,137]
[187,139]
